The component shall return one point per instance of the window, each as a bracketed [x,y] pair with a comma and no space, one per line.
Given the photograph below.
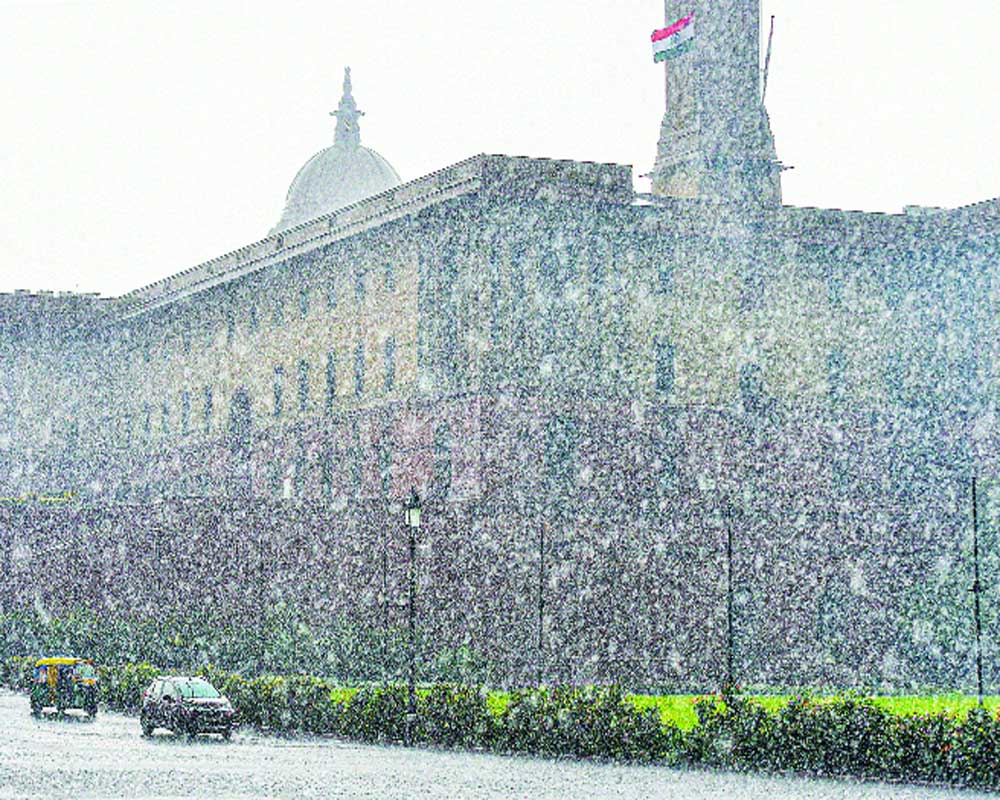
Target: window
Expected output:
[666,276]
[751,287]
[254,322]
[390,363]
[359,369]
[835,286]
[240,423]
[279,311]
[303,303]
[359,286]
[230,326]
[208,409]
[166,419]
[147,420]
[752,387]
[303,386]
[279,377]
[185,412]
[326,474]
[442,458]
[561,439]
[331,293]
[147,354]
[331,381]
[390,277]
[836,365]
[186,343]
[664,366]
[384,455]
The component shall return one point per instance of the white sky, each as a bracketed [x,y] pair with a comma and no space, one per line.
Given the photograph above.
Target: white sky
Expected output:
[141,138]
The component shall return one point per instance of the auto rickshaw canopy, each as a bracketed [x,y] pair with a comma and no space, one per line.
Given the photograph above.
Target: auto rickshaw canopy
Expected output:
[61,661]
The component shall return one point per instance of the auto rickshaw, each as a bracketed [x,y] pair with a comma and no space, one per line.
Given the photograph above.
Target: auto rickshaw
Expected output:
[63,683]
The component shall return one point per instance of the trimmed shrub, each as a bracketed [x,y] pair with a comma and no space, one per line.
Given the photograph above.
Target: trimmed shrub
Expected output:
[589,721]
[839,736]
[121,688]
[455,716]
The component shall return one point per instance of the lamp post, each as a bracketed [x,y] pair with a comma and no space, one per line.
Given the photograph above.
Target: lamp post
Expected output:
[384,599]
[725,508]
[976,589]
[541,604]
[412,511]
[729,599]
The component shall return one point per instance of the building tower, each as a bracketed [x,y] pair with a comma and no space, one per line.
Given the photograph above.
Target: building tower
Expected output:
[715,139]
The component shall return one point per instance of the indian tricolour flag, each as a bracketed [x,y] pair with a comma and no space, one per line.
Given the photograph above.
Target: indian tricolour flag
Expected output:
[673,40]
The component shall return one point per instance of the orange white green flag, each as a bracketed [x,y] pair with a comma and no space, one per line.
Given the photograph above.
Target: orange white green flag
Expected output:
[673,40]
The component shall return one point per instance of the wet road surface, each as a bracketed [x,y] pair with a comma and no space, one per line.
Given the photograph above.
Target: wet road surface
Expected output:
[108,758]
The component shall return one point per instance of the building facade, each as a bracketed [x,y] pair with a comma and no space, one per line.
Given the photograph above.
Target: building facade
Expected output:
[641,423]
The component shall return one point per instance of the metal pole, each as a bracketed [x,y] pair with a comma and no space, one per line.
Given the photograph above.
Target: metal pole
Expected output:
[541,603]
[411,705]
[729,599]
[261,603]
[767,61]
[666,69]
[976,588]
[385,609]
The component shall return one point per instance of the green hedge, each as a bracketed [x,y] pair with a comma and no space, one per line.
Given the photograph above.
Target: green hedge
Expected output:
[847,736]
[842,736]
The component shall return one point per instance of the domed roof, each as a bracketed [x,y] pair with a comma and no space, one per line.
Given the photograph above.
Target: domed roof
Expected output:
[339,175]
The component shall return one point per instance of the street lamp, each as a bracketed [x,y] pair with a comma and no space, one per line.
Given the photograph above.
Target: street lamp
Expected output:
[976,589]
[412,512]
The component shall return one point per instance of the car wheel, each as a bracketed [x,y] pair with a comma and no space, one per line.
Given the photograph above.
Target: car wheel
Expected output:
[227,734]
[36,710]
[147,727]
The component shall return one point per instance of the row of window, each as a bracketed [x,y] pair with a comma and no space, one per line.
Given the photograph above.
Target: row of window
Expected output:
[751,380]
[277,309]
[304,378]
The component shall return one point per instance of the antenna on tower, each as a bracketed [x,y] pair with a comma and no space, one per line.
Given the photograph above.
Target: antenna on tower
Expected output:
[767,60]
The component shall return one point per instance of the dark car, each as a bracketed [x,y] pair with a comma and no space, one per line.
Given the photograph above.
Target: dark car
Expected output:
[185,705]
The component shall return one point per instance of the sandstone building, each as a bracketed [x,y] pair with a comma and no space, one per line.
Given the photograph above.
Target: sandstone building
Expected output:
[573,375]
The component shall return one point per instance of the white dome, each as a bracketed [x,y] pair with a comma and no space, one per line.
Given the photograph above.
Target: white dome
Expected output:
[339,175]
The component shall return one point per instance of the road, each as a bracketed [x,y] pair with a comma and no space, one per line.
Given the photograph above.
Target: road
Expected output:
[108,758]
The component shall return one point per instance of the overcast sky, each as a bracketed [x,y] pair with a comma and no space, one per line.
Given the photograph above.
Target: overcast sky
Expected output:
[141,138]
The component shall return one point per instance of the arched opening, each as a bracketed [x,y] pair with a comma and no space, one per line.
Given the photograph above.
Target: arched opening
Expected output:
[240,438]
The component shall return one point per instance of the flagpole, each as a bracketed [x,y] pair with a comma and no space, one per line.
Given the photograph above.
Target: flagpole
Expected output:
[767,61]
[666,69]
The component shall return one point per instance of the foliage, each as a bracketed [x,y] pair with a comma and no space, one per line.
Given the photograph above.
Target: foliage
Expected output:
[279,642]
[845,735]
[583,721]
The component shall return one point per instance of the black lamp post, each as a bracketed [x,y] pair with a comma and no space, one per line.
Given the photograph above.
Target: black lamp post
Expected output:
[976,589]
[412,511]
[727,520]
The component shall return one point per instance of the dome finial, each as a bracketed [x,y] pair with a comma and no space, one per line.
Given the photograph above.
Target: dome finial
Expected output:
[347,133]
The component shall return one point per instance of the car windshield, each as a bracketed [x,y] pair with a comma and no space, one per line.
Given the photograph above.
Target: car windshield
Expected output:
[196,689]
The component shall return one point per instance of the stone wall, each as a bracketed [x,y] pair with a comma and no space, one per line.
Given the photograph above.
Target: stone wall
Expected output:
[851,553]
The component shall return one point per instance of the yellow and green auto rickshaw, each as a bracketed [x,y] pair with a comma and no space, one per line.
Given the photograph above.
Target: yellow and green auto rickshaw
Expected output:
[63,683]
